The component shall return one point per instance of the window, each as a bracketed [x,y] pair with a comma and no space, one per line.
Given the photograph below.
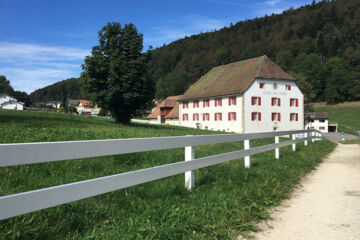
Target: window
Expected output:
[275,101]
[206,117]
[255,116]
[206,103]
[232,101]
[195,117]
[322,128]
[217,116]
[218,102]
[196,104]
[322,120]
[288,87]
[275,116]
[261,85]
[256,101]
[185,104]
[232,116]
[294,102]
[185,117]
[294,117]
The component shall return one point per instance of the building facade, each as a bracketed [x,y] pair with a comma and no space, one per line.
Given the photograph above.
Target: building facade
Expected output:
[320,122]
[254,95]
[166,112]
[10,103]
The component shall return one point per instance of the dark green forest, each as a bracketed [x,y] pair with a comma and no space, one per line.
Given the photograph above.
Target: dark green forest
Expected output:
[59,91]
[319,44]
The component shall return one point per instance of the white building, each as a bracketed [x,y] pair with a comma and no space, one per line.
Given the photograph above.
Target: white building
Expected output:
[320,121]
[254,95]
[7,102]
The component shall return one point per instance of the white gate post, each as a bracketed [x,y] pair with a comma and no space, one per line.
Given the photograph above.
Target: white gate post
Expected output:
[277,152]
[189,175]
[306,141]
[294,144]
[247,158]
[313,134]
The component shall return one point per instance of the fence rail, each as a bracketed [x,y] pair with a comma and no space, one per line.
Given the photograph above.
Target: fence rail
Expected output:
[28,153]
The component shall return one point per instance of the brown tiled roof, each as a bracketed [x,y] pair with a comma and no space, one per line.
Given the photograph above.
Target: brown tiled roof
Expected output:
[169,101]
[235,78]
[154,114]
[86,103]
[318,115]
[174,113]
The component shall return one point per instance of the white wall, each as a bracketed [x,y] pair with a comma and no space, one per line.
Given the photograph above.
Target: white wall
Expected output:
[172,121]
[267,93]
[223,125]
[317,125]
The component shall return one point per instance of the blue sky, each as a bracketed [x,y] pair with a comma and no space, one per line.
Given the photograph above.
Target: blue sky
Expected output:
[42,42]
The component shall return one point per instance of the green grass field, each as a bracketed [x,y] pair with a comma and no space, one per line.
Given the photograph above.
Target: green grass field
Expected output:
[226,201]
[346,115]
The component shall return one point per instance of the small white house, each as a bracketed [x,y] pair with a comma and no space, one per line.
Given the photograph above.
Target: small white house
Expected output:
[254,95]
[320,121]
[7,102]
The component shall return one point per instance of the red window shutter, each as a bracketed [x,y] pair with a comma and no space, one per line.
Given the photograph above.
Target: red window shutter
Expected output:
[234,100]
[279,117]
[203,103]
[252,100]
[220,116]
[278,101]
[259,101]
[229,101]
[183,117]
[290,117]
[215,116]
[252,116]
[297,117]
[290,102]
[297,102]
[272,116]
[272,101]
[289,87]
[259,114]
[220,103]
[229,116]
[215,102]
[235,116]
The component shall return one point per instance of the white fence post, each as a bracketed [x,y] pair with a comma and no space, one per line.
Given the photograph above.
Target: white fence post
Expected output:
[306,141]
[277,151]
[294,144]
[189,175]
[247,158]
[313,134]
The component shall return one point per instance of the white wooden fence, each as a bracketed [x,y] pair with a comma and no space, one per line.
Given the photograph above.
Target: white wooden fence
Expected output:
[29,153]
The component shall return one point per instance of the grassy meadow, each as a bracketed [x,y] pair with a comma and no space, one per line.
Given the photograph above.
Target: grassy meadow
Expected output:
[227,200]
[347,115]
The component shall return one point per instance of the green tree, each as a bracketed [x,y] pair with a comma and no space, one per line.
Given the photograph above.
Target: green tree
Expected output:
[115,75]
[5,86]
[172,84]
[22,97]
[222,57]
[285,59]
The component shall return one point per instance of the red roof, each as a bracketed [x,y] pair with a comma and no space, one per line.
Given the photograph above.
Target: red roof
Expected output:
[169,102]
[86,103]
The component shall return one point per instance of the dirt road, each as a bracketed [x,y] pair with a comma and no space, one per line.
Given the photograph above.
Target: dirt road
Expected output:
[326,206]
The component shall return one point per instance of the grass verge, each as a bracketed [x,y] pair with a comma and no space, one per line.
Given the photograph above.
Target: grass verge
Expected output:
[353,141]
[226,201]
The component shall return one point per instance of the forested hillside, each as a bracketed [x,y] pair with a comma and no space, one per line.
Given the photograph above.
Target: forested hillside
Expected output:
[319,44]
[57,92]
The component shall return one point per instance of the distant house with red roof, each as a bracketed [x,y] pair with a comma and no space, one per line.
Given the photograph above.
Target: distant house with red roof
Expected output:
[86,107]
[167,112]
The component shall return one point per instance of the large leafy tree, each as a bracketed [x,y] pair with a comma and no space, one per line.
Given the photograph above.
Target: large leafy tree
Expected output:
[5,86]
[115,76]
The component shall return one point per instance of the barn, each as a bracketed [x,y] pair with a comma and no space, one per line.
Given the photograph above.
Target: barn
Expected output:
[7,102]
[253,95]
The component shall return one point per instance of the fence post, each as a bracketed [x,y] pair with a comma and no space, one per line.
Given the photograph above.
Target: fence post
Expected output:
[294,144]
[306,141]
[277,151]
[189,175]
[247,158]
[313,134]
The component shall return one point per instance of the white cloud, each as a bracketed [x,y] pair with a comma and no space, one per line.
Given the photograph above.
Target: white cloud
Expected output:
[33,66]
[272,2]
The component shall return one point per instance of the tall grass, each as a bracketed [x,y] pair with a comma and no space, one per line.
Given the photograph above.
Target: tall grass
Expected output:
[226,201]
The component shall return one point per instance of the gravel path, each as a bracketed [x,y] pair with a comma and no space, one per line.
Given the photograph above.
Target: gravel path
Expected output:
[326,206]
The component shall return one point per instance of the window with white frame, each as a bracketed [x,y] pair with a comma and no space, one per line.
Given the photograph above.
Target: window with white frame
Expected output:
[322,128]
[261,85]
[294,102]
[185,105]
[196,104]
[195,117]
[322,120]
[275,101]
[232,101]
[218,102]
[288,87]
[206,103]
[294,117]
[206,116]
[218,117]
[185,117]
